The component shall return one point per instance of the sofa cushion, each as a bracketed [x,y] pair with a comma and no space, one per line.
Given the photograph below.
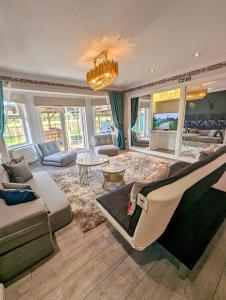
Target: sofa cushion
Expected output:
[193,130]
[48,148]
[177,167]
[12,185]
[15,197]
[109,150]
[116,203]
[102,139]
[17,223]
[19,172]
[54,198]
[203,132]
[60,157]
[162,172]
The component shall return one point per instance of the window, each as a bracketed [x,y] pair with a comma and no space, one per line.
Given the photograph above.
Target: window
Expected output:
[15,133]
[74,127]
[51,123]
[63,124]
[103,122]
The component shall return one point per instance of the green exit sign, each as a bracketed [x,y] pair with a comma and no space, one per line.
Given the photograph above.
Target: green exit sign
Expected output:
[184,79]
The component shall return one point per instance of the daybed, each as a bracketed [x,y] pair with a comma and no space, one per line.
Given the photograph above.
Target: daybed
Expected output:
[183,212]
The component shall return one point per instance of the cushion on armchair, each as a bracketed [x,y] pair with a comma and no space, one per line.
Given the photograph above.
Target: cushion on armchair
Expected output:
[48,148]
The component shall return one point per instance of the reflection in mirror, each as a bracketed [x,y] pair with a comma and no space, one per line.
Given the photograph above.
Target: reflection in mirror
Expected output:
[140,121]
[205,117]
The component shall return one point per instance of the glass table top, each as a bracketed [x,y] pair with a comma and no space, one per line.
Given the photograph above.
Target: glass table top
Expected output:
[91,159]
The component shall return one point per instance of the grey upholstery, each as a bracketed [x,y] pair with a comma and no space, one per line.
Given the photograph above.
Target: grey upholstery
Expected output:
[25,237]
[56,202]
[51,155]
[26,229]
[139,141]
[103,144]
[202,135]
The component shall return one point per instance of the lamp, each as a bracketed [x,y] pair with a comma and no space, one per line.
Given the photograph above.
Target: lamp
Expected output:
[196,94]
[103,73]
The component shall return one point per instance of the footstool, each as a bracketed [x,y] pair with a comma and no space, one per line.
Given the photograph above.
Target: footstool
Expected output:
[113,175]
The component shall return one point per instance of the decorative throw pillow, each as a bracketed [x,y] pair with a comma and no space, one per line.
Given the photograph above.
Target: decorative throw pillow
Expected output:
[12,185]
[205,152]
[14,197]
[162,172]
[19,172]
[218,134]
[212,133]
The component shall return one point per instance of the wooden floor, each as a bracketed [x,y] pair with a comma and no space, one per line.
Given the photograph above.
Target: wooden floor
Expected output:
[99,264]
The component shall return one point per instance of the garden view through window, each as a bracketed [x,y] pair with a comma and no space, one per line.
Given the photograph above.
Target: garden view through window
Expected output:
[15,133]
[63,124]
[103,122]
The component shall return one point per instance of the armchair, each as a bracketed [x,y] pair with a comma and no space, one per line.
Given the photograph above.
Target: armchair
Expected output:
[51,155]
[103,144]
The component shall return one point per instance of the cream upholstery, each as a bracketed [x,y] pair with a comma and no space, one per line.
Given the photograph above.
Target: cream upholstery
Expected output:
[162,203]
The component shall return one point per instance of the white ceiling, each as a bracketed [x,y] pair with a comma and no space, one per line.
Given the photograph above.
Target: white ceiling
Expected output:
[50,37]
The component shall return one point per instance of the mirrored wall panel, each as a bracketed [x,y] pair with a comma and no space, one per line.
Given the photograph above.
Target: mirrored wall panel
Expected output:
[205,117]
[140,121]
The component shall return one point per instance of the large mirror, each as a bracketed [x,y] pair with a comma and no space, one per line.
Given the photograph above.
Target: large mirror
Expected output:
[205,117]
[140,121]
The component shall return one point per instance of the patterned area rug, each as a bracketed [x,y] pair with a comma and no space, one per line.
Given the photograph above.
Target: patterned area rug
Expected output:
[83,198]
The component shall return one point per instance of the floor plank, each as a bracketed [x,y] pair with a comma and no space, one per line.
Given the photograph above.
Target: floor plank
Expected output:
[87,278]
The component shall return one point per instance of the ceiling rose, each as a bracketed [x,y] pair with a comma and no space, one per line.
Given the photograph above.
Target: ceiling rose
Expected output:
[103,73]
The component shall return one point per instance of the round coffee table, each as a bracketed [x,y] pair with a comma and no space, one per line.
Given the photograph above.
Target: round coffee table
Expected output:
[113,174]
[87,160]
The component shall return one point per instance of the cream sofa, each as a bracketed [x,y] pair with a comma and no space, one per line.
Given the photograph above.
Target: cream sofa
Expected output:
[182,212]
[26,229]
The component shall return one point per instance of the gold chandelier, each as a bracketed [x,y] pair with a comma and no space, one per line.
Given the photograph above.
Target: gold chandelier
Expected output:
[196,94]
[103,73]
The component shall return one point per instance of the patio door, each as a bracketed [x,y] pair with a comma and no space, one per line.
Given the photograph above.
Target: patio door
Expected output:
[74,127]
[65,125]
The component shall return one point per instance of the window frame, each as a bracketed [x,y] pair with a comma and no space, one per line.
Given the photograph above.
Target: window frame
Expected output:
[22,115]
[95,115]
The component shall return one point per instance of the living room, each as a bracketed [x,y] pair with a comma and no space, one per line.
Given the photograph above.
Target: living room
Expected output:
[113,150]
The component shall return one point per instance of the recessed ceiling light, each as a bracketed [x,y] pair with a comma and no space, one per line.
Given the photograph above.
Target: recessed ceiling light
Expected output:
[197,54]
[151,71]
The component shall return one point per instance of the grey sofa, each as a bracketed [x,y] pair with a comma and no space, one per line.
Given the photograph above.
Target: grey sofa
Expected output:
[103,144]
[51,155]
[202,135]
[26,229]
[139,141]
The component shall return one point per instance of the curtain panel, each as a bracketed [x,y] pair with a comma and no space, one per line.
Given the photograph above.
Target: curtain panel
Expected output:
[117,107]
[134,110]
[2,121]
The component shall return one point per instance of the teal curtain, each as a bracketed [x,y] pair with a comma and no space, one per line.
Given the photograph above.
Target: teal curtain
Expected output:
[117,107]
[134,110]
[1,112]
